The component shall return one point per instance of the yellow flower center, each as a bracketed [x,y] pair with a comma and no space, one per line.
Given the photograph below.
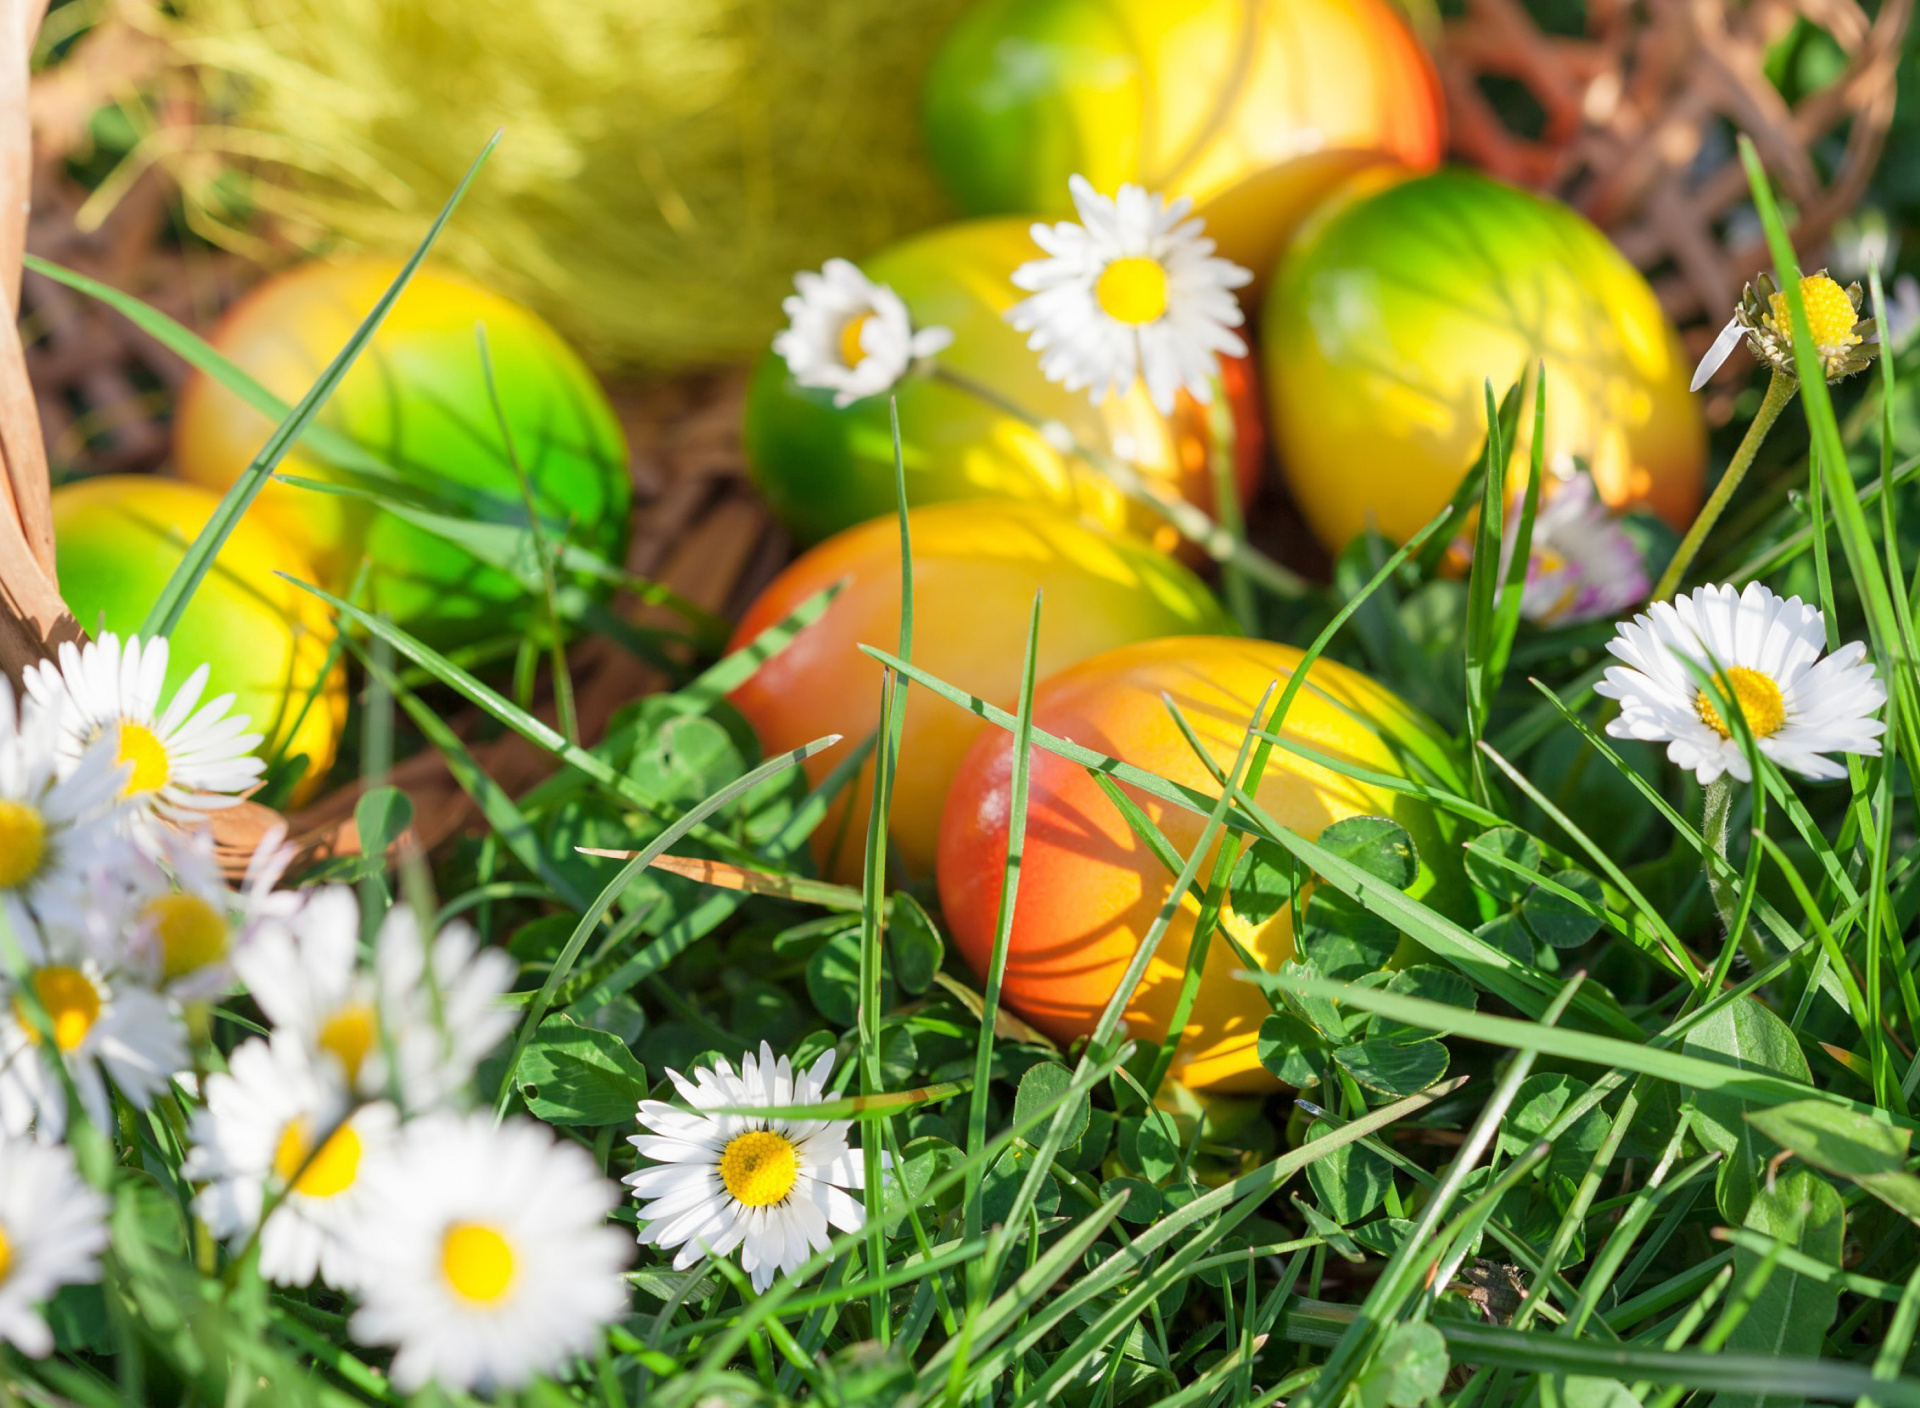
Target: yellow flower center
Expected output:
[1830,314]
[759,1168]
[477,1262]
[192,934]
[349,1035]
[6,1256]
[330,1171]
[1758,697]
[852,354]
[139,746]
[1132,290]
[23,843]
[71,1001]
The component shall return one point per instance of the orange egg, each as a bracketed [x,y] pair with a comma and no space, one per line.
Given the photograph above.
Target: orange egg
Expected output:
[1254,108]
[976,567]
[1089,889]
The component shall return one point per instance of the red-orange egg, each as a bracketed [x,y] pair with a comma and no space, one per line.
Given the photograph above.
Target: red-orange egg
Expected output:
[976,567]
[1090,889]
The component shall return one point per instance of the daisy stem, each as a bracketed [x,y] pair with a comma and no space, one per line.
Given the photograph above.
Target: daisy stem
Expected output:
[1779,391]
[1219,543]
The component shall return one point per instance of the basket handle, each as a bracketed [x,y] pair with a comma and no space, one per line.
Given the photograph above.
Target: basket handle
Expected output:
[33,618]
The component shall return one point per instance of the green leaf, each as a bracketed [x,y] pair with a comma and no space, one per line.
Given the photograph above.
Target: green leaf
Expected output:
[1143,1199]
[1537,1105]
[1791,1314]
[1000,1190]
[1343,938]
[1263,882]
[1044,1083]
[1509,935]
[381,815]
[1376,844]
[833,979]
[1394,1065]
[575,1075]
[1747,1036]
[1428,981]
[1511,844]
[1559,921]
[1146,1148]
[1410,1368]
[913,944]
[1292,1050]
[1851,1146]
[1351,1181]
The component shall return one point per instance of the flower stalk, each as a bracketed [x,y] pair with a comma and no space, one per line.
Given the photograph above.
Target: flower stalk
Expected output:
[1779,391]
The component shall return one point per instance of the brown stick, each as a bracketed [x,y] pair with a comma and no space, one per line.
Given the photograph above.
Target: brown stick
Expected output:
[32,616]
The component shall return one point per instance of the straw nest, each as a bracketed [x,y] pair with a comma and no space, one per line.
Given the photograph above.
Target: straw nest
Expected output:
[666,166]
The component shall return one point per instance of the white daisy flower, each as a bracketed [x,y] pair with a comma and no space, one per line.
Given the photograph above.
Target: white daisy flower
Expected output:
[256,1137]
[106,1026]
[50,825]
[485,1253]
[181,761]
[53,1227]
[371,1026]
[182,924]
[1133,290]
[768,1186]
[1581,564]
[1764,650]
[851,336]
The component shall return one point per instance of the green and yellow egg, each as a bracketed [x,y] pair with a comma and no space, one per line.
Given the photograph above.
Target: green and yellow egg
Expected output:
[1403,296]
[418,402]
[117,541]
[825,468]
[1254,108]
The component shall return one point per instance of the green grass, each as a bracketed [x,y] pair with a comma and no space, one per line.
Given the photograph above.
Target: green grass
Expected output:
[1615,1085]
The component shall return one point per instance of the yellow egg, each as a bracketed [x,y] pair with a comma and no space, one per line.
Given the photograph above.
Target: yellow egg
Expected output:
[118,539]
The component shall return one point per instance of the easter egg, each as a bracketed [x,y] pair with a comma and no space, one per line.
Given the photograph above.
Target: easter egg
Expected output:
[117,541]
[976,568]
[1254,108]
[417,399]
[1403,298]
[1090,889]
[824,468]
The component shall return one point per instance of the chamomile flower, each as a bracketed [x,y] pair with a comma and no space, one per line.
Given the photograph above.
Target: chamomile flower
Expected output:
[1845,342]
[769,1186]
[53,1228]
[105,1025]
[485,1253]
[388,1024]
[1133,290]
[256,1138]
[50,825]
[850,335]
[183,924]
[1582,565]
[181,761]
[1764,651]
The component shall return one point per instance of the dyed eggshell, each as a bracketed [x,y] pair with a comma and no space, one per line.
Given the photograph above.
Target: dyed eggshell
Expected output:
[1254,108]
[976,568]
[417,399]
[1402,298]
[118,539]
[1089,889]
[824,468]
